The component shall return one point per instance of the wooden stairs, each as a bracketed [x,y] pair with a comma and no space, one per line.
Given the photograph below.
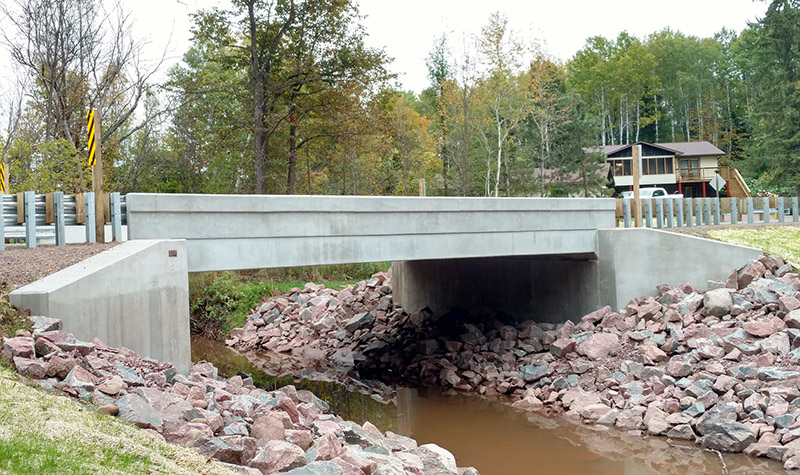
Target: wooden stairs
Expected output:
[737,188]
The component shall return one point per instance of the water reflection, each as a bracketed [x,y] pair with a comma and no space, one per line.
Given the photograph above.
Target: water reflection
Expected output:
[498,441]
[489,436]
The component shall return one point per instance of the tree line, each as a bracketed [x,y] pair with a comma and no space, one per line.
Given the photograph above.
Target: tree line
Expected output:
[285,96]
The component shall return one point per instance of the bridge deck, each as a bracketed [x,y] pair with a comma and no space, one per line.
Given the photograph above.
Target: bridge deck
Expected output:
[226,232]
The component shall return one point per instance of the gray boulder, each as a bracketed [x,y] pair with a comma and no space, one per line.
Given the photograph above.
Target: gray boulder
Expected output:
[717,302]
[726,436]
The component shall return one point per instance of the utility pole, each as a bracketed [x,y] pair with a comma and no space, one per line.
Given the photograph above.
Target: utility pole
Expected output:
[94,127]
[637,201]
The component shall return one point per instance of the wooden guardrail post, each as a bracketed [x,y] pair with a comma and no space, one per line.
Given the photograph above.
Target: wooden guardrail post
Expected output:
[795,209]
[765,209]
[30,219]
[21,207]
[80,208]
[679,212]
[734,211]
[49,214]
[89,220]
[59,218]
[648,212]
[717,211]
[781,214]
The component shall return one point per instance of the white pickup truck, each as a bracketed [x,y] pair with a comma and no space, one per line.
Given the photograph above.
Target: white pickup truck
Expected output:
[652,192]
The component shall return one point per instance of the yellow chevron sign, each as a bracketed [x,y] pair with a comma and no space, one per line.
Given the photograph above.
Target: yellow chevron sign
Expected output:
[3,178]
[90,129]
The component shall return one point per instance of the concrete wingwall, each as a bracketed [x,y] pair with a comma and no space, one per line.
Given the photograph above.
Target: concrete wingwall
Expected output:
[134,295]
[632,262]
[226,232]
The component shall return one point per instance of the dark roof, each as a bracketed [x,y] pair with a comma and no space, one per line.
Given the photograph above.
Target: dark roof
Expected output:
[684,149]
[694,149]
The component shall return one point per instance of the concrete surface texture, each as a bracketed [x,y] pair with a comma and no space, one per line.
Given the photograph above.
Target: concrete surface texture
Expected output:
[225,232]
[633,261]
[629,263]
[134,295]
[546,289]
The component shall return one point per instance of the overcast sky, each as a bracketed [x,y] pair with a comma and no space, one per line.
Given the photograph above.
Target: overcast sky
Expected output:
[406,29]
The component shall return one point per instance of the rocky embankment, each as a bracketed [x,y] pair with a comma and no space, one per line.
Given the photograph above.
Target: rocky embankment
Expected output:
[720,368]
[253,430]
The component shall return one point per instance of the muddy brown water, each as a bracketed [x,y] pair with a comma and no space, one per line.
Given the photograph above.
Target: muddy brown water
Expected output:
[490,436]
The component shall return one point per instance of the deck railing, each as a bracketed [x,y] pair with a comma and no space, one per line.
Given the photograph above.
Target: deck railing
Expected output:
[669,212]
[702,173]
[32,217]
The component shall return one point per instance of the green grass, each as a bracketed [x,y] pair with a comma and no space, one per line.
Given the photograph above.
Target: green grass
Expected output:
[221,301]
[780,240]
[45,433]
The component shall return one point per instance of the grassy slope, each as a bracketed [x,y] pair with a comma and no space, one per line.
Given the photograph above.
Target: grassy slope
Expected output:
[781,240]
[46,433]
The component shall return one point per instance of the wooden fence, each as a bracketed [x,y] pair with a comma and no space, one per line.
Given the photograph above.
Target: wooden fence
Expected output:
[669,212]
[29,217]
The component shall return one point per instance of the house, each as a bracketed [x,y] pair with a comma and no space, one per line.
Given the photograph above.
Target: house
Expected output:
[679,167]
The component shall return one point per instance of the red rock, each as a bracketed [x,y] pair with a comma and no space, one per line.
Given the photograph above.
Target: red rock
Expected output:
[347,468]
[30,368]
[267,428]
[764,326]
[750,273]
[21,346]
[80,378]
[171,406]
[597,315]
[44,346]
[57,336]
[327,447]
[60,367]
[652,352]
[649,309]
[793,319]
[562,346]
[599,345]
[529,403]
[679,368]
[278,456]
[287,405]
[300,438]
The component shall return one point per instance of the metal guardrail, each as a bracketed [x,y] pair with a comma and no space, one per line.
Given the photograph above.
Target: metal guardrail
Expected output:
[64,210]
[669,212]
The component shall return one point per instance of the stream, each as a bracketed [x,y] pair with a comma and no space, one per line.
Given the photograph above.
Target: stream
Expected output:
[487,435]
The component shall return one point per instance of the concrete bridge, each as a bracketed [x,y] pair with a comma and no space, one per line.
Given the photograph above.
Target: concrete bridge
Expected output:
[548,259]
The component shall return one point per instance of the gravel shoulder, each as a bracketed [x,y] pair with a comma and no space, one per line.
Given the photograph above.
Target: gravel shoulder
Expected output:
[20,266]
